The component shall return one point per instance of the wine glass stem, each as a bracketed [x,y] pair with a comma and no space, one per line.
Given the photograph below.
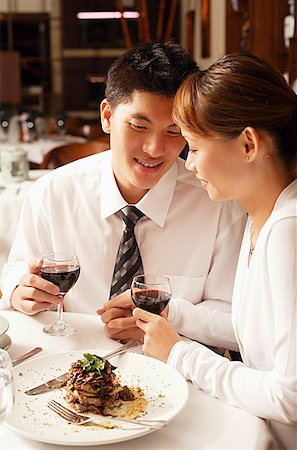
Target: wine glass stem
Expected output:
[60,312]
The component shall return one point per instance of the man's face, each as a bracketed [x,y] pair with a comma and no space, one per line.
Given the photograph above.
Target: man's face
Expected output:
[144,141]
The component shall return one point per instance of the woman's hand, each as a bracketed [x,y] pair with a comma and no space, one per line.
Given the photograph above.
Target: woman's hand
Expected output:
[159,334]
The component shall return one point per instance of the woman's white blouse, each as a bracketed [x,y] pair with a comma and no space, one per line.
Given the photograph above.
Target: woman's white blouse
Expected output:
[264,319]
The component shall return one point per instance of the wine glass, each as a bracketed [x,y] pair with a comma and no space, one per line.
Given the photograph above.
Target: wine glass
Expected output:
[151,292]
[6,385]
[63,270]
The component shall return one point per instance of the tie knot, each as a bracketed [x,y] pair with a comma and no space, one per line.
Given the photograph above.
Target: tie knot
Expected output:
[130,215]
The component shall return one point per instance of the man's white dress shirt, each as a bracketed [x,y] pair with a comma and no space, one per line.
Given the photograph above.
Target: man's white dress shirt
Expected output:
[184,234]
[265,319]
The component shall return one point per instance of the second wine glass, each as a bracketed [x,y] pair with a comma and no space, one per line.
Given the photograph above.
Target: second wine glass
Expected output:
[61,269]
[151,292]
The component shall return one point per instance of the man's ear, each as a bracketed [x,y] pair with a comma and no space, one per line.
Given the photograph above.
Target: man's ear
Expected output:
[251,143]
[105,114]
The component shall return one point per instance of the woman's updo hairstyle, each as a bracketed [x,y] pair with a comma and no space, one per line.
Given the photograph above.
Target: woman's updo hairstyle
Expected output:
[240,90]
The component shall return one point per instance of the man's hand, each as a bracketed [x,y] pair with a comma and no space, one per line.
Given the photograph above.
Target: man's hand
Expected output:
[34,294]
[116,314]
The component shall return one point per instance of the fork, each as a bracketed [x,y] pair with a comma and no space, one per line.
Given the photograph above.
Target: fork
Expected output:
[81,419]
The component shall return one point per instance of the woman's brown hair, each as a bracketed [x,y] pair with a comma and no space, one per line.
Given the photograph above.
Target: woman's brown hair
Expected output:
[240,90]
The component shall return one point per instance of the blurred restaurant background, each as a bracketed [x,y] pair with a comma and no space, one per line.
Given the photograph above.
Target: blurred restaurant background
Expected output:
[55,53]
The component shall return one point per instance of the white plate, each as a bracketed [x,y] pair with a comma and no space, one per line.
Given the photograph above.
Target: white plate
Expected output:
[4,324]
[163,387]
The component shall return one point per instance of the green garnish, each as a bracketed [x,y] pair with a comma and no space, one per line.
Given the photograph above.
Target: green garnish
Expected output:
[100,389]
[93,363]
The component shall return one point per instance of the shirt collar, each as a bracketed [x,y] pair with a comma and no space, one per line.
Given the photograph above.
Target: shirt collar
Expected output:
[287,193]
[155,204]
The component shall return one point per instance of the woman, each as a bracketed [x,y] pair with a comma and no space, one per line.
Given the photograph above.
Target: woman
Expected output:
[240,120]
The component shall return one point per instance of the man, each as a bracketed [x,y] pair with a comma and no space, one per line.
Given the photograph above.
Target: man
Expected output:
[76,207]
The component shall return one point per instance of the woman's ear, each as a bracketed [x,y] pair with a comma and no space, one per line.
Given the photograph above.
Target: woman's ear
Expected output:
[251,143]
[105,114]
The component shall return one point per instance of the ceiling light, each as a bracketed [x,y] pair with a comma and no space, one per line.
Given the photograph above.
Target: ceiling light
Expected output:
[107,15]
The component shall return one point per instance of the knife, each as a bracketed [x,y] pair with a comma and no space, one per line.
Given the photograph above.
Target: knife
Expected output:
[21,358]
[60,380]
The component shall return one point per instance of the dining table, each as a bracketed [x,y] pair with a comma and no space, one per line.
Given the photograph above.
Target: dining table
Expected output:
[12,196]
[204,423]
[38,148]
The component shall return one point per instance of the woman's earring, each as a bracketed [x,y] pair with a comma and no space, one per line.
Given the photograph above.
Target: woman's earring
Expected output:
[247,157]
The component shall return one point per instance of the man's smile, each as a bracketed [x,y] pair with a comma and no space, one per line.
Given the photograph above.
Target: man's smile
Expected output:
[146,164]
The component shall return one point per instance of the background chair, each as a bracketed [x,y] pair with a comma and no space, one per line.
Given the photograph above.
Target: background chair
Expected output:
[64,154]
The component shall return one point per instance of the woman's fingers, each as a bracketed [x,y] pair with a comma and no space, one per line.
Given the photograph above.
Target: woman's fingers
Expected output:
[160,335]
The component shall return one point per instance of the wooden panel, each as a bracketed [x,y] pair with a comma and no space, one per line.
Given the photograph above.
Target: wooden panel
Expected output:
[28,34]
[292,60]
[266,34]
[10,83]
[257,27]
[205,27]
[234,23]
[84,82]
[79,91]
[190,24]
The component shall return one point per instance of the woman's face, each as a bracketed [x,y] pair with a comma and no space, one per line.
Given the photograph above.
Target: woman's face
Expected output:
[218,163]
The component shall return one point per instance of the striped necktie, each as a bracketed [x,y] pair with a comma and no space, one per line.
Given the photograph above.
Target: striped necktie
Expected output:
[128,262]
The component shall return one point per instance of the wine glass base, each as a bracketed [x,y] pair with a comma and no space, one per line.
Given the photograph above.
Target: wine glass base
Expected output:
[59,329]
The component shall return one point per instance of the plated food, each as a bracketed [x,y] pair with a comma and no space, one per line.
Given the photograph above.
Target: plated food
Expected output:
[163,388]
[93,386]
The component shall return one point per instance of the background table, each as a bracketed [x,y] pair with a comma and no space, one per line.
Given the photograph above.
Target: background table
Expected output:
[11,200]
[204,424]
[37,149]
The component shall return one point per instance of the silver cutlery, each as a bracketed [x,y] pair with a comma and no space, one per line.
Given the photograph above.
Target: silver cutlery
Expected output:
[21,358]
[60,380]
[81,419]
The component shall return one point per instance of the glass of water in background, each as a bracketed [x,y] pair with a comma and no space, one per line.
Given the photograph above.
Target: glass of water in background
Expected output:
[6,385]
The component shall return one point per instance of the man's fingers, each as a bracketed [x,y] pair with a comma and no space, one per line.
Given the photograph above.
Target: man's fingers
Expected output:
[34,265]
[35,281]
[123,300]
[115,313]
[37,295]
[131,333]
[30,307]
[42,297]
[31,301]
[122,322]
[34,294]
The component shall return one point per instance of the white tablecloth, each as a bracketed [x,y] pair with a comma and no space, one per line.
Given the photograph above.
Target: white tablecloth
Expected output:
[11,200]
[37,149]
[204,424]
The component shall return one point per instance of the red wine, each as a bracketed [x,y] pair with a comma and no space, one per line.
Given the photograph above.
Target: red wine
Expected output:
[64,276]
[153,301]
